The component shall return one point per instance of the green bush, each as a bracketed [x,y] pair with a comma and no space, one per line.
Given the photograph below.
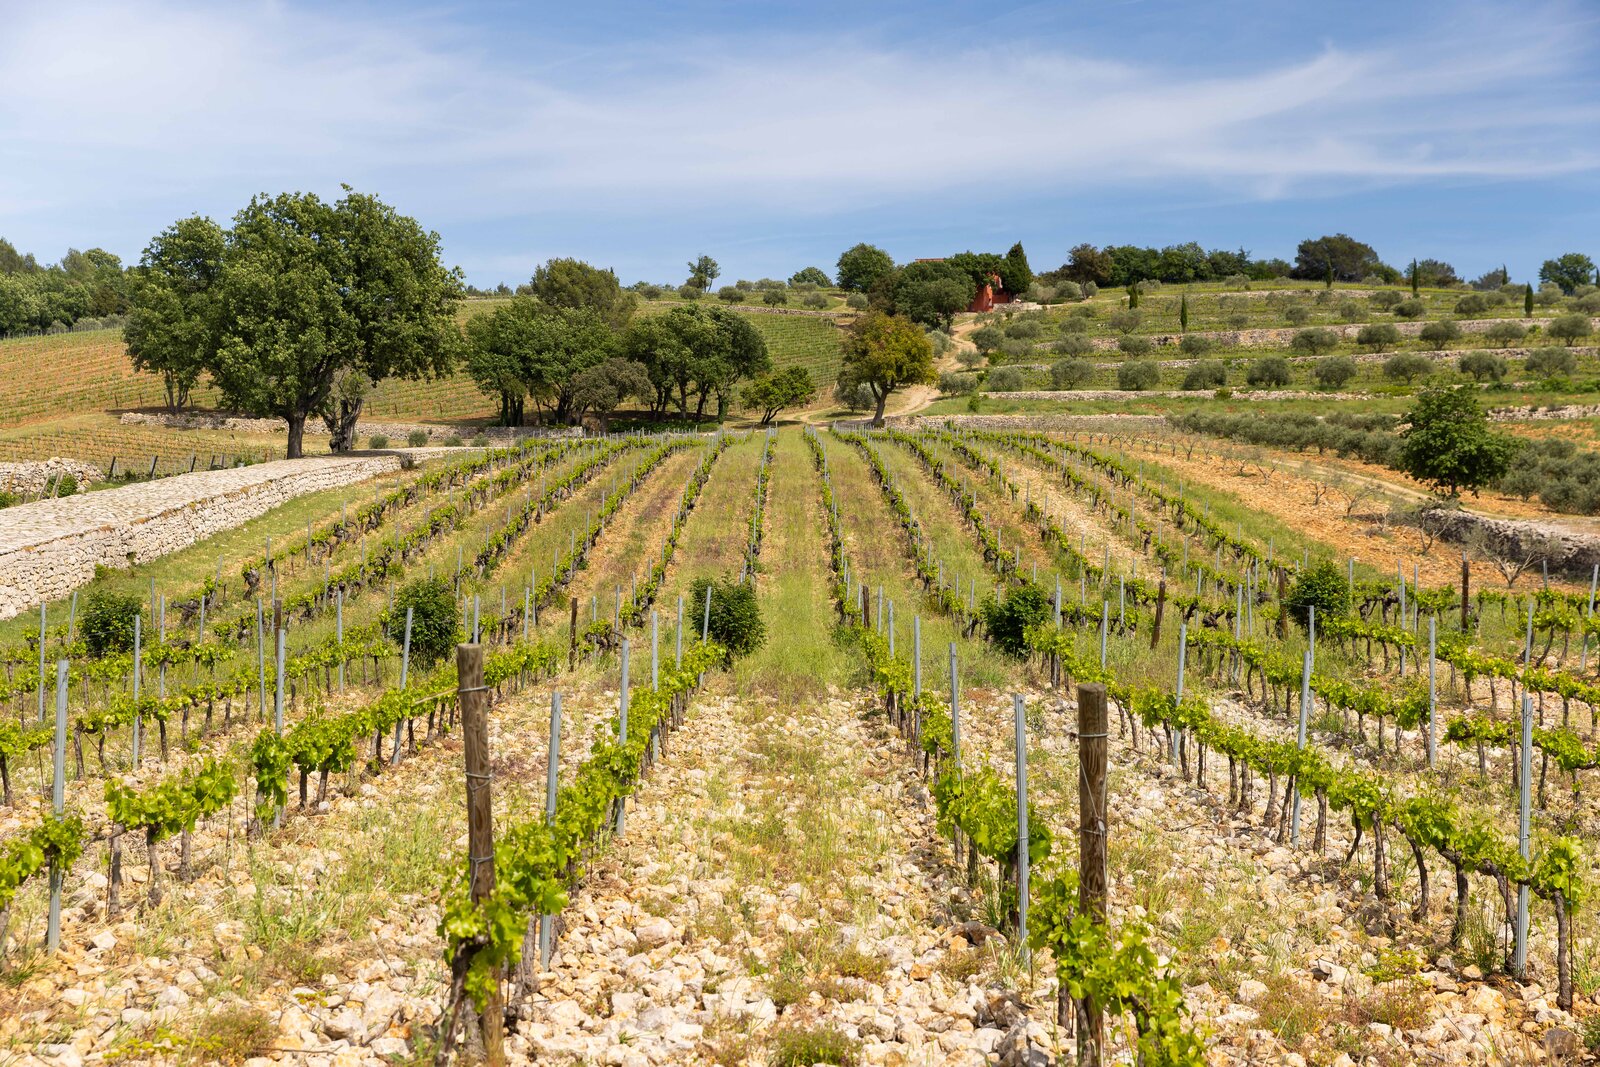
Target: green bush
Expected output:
[417,438]
[857,301]
[814,300]
[1505,332]
[1073,344]
[735,614]
[730,294]
[1378,335]
[66,484]
[1322,586]
[1332,372]
[1269,372]
[1206,374]
[1410,309]
[378,440]
[8,498]
[1483,365]
[1138,375]
[1008,620]
[1407,367]
[776,297]
[1551,362]
[1315,342]
[453,441]
[688,292]
[1472,304]
[1195,345]
[480,440]
[1004,380]
[1569,328]
[1436,335]
[1134,345]
[435,626]
[107,622]
[1070,373]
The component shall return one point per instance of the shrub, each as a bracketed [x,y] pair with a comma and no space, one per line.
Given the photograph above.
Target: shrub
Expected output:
[969,358]
[1551,362]
[1332,372]
[957,384]
[1025,328]
[1548,295]
[1589,303]
[814,300]
[1386,299]
[1505,333]
[1472,304]
[776,297]
[1297,314]
[480,440]
[1195,345]
[1322,586]
[1436,335]
[1269,372]
[735,614]
[453,441]
[1315,342]
[858,301]
[730,294]
[1008,620]
[1569,328]
[1138,375]
[1073,344]
[1410,309]
[1348,311]
[1126,321]
[1483,365]
[988,338]
[941,341]
[1004,380]
[688,292]
[378,440]
[417,438]
[1205,374]
[1133,345]
[1237,321]
[108,622]
[1378,335]
[1069,291]
[1407,367]
[1071,373]
[9,499]
[66,483]
[650,292]
[1013,349]
[434,624]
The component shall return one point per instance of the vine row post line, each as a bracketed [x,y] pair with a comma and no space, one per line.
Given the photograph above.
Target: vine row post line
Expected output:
[137,717]
[551,779]
[405,665]
[1433,696]
[277,689]
[1019,710]
[41,660]
[1300,742]
[655,679]
[1092,818]
[474,700]
[1183,659]
[955,738]
[1519,959]
[58,796]
[622,731]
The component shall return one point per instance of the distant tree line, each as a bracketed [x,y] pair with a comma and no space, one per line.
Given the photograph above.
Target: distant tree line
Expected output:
[36,297]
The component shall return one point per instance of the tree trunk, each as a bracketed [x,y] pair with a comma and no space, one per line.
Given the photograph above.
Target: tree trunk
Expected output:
[877,416]
[1459,926]
[155,865]
[341,423]
[297,434]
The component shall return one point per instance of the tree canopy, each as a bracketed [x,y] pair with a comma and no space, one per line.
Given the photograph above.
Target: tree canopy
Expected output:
[696,351]
[773,392]
[1568,271]
[572,283]
[312,303]
[862,266]
[702,272]
[885,353]
[1348,259]
[169,330]
[930,293]
[1447,442]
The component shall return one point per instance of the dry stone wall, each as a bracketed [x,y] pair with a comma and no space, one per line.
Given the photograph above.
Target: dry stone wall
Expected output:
[50,548]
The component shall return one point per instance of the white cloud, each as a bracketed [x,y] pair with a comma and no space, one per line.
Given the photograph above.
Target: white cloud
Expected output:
[154,102]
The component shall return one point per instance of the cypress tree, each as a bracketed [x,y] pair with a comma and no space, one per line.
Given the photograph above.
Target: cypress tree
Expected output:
[1329,280]
[1133,295]
[1413,277]
[1183,313]
[1527,301]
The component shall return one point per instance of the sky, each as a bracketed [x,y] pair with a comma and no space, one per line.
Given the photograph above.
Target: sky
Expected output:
[637,136]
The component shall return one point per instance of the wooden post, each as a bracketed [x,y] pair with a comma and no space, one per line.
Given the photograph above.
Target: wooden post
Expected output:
[866,608]
[58,796]
[1161,603]
[1466,581]
[1091,844]
[1283,594]
[474,699]
[572,649]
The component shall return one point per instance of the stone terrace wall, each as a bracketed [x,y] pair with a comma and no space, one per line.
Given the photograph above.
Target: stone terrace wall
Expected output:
[49,548]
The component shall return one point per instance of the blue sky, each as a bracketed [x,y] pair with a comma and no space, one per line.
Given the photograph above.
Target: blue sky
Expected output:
[638,135]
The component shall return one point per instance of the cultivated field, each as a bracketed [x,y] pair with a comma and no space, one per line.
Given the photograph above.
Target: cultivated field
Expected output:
[801,849]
